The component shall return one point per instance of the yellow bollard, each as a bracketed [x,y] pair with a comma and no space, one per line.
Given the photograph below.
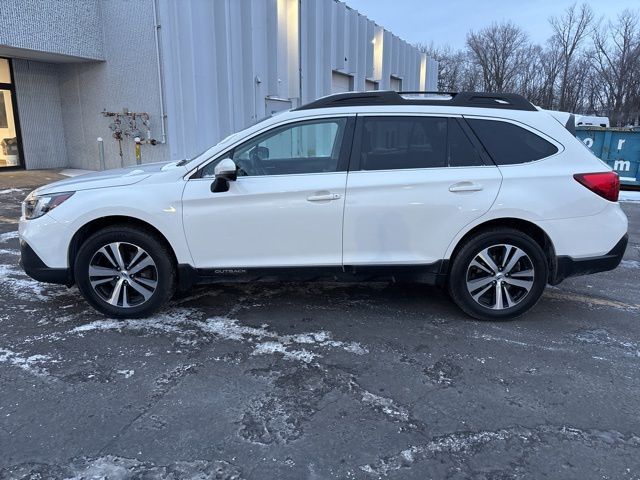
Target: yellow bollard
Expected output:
[138,152]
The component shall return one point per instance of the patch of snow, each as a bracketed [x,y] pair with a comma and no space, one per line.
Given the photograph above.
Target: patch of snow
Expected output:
[269,348]
[126,373]
[9,251]
[630,264]
[8,236]
[118,468]
[11,190]
[630,196]
[21,286]
[167,322]
[30,364]
[600,336]
[387,406]
[230,329]
[185,324]
[469,443]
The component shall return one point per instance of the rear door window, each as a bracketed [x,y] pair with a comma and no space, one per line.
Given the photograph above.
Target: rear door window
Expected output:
[509,144]
[390,143]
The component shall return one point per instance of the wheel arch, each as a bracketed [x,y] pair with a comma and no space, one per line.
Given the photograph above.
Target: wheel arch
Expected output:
[99,223]
[525,226]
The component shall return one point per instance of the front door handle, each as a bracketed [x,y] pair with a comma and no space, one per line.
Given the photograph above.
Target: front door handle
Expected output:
[323,197]
[465,187]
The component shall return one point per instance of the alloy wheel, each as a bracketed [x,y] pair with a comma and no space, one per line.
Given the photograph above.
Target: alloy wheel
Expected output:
[123,274]
[500,276]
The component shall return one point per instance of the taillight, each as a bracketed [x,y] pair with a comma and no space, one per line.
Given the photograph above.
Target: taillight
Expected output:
[605,184]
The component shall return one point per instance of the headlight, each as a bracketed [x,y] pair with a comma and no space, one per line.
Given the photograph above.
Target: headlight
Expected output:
[35,206]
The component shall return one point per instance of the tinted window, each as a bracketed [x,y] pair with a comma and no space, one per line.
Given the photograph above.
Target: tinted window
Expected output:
[306,147]
[403,142]
[509,144]
[462,153]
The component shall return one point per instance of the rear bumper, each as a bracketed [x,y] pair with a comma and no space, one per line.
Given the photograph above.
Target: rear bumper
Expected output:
[571,267]
[33,266]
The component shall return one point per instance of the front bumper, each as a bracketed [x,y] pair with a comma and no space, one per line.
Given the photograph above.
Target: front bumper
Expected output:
[571,267]
[33,266]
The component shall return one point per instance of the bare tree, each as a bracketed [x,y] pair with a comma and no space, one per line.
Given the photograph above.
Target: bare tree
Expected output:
[531,78]
[570,31]
[584,67]
[499,50]
[617,61]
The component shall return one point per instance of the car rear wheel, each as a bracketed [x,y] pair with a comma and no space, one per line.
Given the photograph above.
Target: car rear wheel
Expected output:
[498,275]
[125,272]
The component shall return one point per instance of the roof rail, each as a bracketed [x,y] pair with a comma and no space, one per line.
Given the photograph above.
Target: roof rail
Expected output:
[509,101]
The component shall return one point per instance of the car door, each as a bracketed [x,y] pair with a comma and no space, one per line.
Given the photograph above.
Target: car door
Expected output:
[286,207]
[414,183]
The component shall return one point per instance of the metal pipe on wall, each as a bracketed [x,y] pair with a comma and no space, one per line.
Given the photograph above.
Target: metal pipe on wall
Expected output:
[300,102]
[156,30]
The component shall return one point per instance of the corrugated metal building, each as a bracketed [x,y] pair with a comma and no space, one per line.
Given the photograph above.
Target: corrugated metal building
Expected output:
[200,69]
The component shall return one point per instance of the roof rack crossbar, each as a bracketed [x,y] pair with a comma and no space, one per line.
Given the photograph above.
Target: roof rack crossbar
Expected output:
[510,101]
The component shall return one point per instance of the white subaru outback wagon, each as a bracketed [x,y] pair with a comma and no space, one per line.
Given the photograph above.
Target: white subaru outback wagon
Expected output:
[483,194]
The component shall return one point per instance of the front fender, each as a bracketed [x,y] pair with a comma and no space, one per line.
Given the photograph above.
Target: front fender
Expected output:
[159,205]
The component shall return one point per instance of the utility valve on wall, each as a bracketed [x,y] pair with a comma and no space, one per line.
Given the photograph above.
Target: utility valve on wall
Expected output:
[133,125]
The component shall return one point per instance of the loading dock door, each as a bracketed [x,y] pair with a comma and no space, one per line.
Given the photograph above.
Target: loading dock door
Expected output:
[341,82]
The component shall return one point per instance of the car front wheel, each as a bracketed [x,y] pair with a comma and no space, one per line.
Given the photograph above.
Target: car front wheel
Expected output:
[125,272]
[498,275]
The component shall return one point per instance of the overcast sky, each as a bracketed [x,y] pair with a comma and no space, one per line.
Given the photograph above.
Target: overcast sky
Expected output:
[448,21]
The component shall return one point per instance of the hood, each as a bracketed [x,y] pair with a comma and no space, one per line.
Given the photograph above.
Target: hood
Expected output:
[109,178]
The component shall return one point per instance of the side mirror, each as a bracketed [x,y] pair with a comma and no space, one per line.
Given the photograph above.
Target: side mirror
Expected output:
[225,172]
[226,169]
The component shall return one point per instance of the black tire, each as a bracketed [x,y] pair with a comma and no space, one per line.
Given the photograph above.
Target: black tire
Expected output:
[162,272]
[496,241]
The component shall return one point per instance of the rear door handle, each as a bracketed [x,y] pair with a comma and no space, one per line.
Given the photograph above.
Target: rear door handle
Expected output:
[465,187]
[323,197]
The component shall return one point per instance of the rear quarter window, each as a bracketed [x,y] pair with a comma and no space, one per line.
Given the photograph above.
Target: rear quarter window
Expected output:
[509,144]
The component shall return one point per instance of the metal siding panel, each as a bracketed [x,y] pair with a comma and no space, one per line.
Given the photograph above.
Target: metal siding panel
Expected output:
[386,60]
[40,113]
[365,35]
[340,25]
[291,30]
[327,29]
[395,55]
[353,32]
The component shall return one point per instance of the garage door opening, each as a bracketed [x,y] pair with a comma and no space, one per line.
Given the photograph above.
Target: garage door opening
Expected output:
[395,83]
[341,82]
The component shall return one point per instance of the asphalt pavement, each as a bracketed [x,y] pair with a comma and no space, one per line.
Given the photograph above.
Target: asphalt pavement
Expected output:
[318,381]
